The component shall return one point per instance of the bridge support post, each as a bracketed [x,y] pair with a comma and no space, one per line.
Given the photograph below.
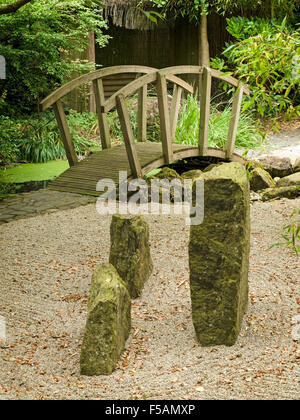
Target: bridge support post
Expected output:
[128,137]
[65,132]
[102,116]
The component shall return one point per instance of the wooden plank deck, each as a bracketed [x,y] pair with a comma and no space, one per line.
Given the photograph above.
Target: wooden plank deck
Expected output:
[83,177]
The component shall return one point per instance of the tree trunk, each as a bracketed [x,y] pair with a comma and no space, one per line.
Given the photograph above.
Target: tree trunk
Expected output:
[203,42]
[203,47]
[91,53]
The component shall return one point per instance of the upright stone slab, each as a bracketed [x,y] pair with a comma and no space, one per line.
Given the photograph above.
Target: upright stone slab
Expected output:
[108,322]
[219,256]
[130,252]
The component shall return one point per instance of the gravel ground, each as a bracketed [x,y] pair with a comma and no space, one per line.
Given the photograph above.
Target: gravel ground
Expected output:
[283,144]
[45,270]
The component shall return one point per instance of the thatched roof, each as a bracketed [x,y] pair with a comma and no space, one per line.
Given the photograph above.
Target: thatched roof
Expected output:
[125,13]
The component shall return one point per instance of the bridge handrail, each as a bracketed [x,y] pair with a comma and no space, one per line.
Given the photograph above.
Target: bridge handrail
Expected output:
[199,70]
[89,77]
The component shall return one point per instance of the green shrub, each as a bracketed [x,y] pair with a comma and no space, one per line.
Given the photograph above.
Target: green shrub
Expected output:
[9,137]
[290,233]
[264,56]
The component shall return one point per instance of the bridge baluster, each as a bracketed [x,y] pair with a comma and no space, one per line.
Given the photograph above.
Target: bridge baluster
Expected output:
[205,111]
[235,116]
[175,106]
[142,114]
[165,126]
[102,116]
[128,137]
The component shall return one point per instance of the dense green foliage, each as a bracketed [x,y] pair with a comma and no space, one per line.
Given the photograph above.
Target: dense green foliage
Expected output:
[38,140]
[264,56]
[194,8]
[9,136]
[37,42]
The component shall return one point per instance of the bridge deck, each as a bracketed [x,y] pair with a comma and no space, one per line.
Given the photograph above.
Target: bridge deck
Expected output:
[83,177]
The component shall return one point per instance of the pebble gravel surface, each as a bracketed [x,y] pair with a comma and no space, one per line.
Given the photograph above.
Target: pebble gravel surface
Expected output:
[45,271]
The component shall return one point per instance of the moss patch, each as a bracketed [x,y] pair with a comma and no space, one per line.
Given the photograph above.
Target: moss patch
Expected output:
[33,172]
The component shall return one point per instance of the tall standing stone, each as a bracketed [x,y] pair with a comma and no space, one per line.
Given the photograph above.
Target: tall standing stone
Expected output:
[108,322]
[130,251]
[219,256]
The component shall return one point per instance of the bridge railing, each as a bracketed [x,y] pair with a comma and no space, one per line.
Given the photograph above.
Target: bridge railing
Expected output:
[207,74]
[105,83]
[113,93]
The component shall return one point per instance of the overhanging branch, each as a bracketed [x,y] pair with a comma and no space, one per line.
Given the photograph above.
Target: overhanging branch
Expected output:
[12,8]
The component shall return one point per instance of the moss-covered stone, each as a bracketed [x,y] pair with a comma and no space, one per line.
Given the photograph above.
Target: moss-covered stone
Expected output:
[108,322]
[219,256]
[163,179]
[167,173]
[281,192]
[192,174]
[289,181]
[260,179]
[211,166]
[130,251]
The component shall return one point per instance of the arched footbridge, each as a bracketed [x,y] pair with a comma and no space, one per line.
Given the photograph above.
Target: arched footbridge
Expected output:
[112,88]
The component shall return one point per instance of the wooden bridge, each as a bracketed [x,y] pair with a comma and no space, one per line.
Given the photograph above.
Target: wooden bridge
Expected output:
[112,87]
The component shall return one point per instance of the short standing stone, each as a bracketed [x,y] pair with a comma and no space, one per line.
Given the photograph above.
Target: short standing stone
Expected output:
[130,251]
[108,322]
[219,256]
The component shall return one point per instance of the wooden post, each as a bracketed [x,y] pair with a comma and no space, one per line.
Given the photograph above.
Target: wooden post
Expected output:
[165,128]
[102,116]
[204,111]
[65,132]
[133,159]
[234,121]
[91,55]
[175,106]
[142,114]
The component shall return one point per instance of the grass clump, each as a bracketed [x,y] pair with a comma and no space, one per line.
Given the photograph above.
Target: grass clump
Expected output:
[248,136]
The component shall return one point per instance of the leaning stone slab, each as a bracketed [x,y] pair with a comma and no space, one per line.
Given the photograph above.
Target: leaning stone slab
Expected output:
[219,256]
[260,179]
[108,322]
[288,181]
[281,192]
[130,251]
